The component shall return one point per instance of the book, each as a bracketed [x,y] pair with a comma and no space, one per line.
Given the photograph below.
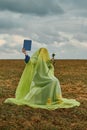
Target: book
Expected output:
[27,45]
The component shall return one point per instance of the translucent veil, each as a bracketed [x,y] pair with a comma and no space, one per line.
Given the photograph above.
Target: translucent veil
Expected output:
[38,87]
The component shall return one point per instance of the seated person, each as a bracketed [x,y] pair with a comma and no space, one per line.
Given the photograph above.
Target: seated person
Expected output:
[38,87]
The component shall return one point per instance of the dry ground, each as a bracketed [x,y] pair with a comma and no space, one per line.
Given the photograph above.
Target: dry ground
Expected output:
[72,75]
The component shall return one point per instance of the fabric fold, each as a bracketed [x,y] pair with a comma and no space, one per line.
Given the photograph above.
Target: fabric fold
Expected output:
[38,87]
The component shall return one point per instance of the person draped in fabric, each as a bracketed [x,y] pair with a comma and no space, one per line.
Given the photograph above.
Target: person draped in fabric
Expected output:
[38,87]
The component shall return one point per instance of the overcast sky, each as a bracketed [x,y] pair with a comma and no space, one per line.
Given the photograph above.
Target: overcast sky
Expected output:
[58,25]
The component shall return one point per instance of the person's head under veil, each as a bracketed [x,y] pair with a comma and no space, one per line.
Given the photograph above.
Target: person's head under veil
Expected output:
[43,53]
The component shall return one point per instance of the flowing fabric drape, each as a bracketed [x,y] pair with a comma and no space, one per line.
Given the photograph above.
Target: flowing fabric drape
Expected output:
[38,87]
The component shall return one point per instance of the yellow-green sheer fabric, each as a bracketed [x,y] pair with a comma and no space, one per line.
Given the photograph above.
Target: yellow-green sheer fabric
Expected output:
[38,87]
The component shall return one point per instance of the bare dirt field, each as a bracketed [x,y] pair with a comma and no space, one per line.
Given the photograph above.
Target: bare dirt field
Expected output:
[72,75]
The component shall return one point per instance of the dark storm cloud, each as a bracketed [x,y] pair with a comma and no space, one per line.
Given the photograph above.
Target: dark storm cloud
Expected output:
[38,7]
[49,38]
[8,24]
[74,3]
[59,25]
[80,3]
[9,20]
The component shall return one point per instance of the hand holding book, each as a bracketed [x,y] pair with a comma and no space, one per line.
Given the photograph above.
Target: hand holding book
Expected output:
[24,51]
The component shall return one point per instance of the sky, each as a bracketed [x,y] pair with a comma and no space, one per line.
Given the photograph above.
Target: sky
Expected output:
[58,25]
